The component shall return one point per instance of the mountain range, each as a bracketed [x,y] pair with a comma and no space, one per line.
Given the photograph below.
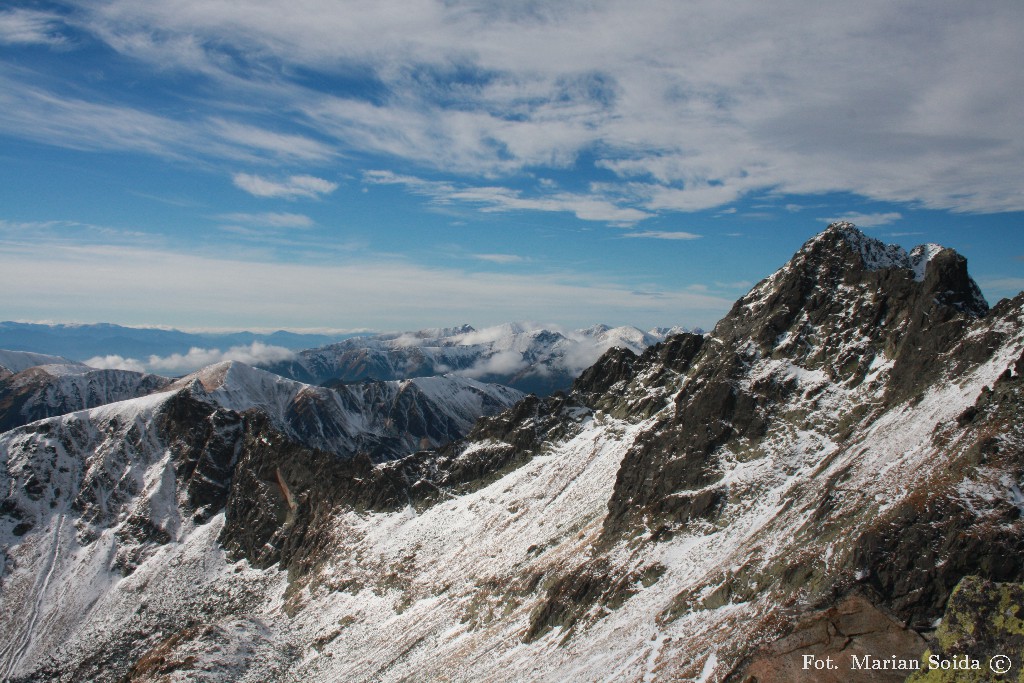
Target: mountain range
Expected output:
[82,342]
[529,357]
[834,471]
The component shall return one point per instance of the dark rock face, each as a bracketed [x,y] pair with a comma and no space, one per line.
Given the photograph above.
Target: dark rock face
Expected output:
[607,378]
[828,308]
[842,307]
[570,597]
[204,441]
[924,547]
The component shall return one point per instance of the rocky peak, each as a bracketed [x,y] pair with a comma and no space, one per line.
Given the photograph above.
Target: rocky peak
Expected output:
[846,311]
[846,303]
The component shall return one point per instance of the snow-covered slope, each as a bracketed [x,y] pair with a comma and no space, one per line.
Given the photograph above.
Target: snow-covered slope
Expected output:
[526,356]
[812,477]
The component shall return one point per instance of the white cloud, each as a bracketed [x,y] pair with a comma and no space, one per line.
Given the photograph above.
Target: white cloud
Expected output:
[283,145]
[270,219]
[196,358]
[501,363]
[182,363]
[866,220]
[291,188]
[584,354]
[115,362]
[664,235]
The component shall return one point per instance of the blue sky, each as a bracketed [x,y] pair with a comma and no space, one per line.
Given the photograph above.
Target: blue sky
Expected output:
[317,164]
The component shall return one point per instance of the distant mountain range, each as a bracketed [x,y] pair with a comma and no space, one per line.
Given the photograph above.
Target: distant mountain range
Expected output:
[81,342]
[531,358]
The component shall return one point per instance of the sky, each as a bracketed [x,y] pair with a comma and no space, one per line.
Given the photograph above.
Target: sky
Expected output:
[333,165]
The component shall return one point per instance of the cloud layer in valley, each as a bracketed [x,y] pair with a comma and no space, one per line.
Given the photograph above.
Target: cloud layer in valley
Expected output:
[182,363]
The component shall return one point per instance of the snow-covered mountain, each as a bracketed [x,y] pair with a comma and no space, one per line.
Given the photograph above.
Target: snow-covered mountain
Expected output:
[52,389]
[817,476]
[12,362]
[526,356]
[379,419]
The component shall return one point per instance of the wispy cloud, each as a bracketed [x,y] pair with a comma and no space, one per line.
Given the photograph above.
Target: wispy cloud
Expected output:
[69,232]
[1004,284]
[492,199]
[866,220]
[674,104]
[498,258]
[292,187]
[664,235]
[31,27]
[283,145]
[34,112]
[269,220]
[738,284]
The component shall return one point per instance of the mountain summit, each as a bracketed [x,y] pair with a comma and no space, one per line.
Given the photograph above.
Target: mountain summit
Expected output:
[834,471]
